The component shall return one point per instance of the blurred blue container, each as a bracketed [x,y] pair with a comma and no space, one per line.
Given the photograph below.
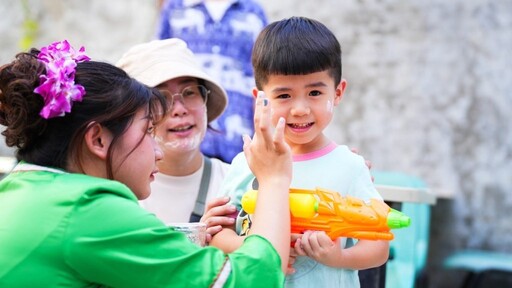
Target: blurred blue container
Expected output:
[409,248]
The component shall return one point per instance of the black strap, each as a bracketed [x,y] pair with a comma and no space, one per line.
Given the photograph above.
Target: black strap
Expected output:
[255,185]
[198,211]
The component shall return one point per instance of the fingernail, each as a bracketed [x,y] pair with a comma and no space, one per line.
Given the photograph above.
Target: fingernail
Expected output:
[265,102]
[261,94]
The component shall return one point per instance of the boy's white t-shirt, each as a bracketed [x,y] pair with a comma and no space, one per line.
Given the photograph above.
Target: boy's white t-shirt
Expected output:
[334,167]
[173,198]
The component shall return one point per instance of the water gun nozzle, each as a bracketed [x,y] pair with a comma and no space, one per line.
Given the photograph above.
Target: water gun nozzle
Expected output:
[397,219]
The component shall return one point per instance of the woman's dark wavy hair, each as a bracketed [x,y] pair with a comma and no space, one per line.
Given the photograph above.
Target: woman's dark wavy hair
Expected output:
[295,46]
[112,99]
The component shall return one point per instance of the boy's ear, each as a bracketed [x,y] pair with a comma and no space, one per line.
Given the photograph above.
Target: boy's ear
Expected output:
[340,90]
[255,92]
[97,140]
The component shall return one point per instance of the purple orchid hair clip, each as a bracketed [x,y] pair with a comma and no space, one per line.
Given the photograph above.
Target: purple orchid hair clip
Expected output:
[58,87]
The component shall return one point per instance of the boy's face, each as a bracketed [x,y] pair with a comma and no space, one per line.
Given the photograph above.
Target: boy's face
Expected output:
[306,102]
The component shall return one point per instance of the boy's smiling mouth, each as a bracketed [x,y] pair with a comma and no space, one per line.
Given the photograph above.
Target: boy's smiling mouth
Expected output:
[300,126]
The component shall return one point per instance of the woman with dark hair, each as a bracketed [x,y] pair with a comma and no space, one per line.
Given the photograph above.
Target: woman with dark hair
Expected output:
[86,150]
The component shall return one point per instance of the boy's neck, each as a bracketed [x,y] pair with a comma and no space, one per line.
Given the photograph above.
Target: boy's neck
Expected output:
[318,144]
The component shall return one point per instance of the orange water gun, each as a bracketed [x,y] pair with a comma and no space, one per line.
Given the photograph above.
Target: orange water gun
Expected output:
[325,210]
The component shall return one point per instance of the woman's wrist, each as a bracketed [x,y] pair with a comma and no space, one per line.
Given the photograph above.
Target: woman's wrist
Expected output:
[275,183]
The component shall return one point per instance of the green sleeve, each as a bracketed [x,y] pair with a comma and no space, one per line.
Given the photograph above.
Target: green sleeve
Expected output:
[114,242]
[256,264]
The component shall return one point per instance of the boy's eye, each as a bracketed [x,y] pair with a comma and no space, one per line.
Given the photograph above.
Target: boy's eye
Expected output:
[283,96]
[315,93]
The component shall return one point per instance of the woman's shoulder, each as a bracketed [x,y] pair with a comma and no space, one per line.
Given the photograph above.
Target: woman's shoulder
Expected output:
[82,184]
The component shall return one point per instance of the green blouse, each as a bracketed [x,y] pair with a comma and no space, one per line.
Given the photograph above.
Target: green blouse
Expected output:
[73,230]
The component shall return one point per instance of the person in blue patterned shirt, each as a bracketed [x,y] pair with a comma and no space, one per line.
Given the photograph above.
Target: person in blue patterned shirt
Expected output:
[221,34]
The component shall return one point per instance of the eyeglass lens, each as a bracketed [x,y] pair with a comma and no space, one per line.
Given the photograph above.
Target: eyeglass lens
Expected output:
[192,97]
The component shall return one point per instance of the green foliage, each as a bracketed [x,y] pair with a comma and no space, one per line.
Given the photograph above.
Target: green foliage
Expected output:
[30,27]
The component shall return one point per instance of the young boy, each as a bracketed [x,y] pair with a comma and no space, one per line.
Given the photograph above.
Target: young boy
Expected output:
[297,64]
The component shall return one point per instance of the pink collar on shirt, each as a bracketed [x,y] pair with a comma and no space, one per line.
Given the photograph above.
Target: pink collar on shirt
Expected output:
[315,154]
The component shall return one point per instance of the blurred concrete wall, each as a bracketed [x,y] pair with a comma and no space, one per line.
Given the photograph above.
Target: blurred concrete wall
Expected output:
[430,92]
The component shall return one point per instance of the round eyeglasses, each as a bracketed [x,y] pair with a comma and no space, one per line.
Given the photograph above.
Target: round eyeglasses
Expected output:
[192,97]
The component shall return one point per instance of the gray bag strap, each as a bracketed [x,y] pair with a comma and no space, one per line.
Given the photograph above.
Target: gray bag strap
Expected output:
[203,191]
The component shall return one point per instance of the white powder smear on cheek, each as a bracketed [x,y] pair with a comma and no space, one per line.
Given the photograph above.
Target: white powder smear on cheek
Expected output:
[330,106]
[181,144]
[205,120]
[185,144]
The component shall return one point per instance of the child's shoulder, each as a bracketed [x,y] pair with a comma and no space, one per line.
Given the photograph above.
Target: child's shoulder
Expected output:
[239,159]
[344,154]
[343,150]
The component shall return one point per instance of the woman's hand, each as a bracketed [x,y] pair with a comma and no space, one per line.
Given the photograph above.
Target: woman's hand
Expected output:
[267,154]
[218,212]
[270,160]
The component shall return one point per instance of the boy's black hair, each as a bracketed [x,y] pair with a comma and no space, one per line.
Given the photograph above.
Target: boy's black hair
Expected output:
[295,46]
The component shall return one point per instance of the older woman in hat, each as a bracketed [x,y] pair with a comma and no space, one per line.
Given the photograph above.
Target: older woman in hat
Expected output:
[187,179]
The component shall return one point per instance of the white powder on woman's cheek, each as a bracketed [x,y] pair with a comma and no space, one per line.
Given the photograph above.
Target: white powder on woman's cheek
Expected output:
[205,119]
[185,144]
